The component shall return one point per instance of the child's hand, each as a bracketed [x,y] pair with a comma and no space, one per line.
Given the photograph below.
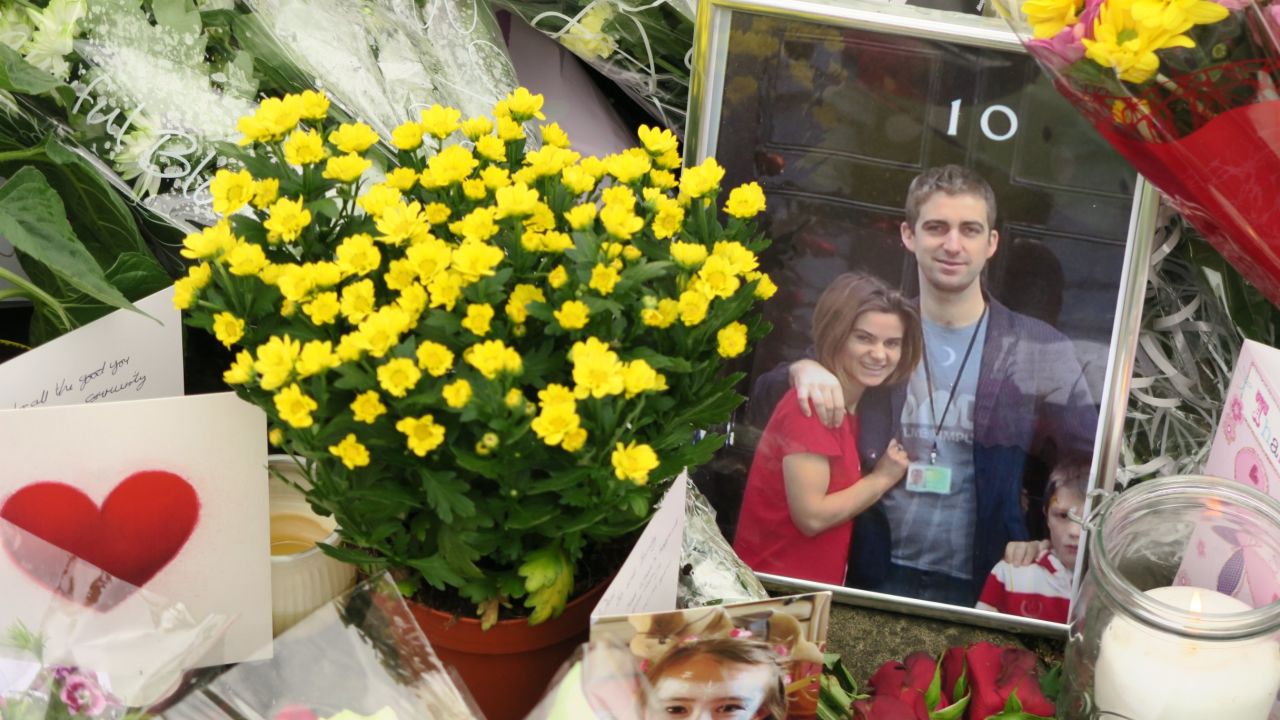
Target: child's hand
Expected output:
[893,464]
[1018,553]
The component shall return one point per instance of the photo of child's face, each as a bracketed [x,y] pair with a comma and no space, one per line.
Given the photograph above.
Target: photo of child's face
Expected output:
[704,687]
[1064,532]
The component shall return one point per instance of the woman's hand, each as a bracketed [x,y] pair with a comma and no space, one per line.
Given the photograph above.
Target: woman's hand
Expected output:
[892,466]
[816,384]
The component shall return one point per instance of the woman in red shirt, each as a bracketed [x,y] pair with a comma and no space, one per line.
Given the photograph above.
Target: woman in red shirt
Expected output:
[806,483]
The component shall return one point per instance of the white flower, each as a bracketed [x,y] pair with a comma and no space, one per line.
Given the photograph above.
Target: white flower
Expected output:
[134,160]
[14,28]
[55,28]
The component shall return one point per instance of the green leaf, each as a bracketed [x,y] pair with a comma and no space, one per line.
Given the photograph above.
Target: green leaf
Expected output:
[933,694]
[19,76]
[34,220]
[350,555]
[436,571]
[177,15]
[137,275]
[447,496]
[1051,682]
[954,711]
[548,578]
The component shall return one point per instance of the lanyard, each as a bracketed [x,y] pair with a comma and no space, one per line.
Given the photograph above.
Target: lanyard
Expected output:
[933,411]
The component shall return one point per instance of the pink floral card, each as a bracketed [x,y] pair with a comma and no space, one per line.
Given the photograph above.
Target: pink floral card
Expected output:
[1246,448]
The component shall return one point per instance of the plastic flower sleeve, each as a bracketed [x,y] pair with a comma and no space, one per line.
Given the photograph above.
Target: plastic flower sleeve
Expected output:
[75,639]
[362,653]
[710,572]
[601,680]
[1187,92]
[383,61]
[646,48]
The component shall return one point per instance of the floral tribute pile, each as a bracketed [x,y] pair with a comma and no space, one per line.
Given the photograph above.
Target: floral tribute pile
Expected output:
[494,359]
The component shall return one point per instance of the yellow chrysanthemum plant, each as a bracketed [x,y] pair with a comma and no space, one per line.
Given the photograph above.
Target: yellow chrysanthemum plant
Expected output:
[495,359]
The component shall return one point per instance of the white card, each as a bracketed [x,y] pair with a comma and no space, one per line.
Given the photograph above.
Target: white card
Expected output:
[121,356]
[168,494]
[650,575]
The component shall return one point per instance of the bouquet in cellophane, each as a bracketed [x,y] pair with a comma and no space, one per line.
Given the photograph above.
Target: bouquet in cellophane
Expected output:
[1186,90]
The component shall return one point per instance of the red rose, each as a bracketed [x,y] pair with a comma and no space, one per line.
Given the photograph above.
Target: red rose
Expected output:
[996,672]
[953,672]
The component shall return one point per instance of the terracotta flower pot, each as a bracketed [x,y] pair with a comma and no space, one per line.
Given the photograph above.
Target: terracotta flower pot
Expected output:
[507,667]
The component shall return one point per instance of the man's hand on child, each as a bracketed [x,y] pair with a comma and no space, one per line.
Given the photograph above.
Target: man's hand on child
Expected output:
[816,384]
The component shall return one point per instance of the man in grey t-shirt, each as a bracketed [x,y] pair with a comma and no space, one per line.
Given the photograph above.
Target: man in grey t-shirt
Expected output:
[994,388]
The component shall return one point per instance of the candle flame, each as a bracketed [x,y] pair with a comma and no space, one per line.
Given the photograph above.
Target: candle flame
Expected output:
[1195,602]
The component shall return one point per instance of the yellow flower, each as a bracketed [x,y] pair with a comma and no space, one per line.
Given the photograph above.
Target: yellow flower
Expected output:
[1122,43]
[658,141]
[445,289]
[745,201]
[381,330]
[475,189]
[457,393]
[273,118]
[693,307]
[638,377]
[765,288]
[578,180]
[353,137]
[357,255]
[572,315]
[429,258]
[490,147]
[351,452]
[620,196]
[210,242]
[495,177]
[554,422]
[580,216]
[231,190]
[357,301]
[438,121]
[668,220]
[1048,17]
[275,361]
[275,436]
[663,315]
[304,147]
[557,277]
[688,255]
[521,295]
[451,165]
[718,278]
[227,328]
[557,395]
[346,168]
[523,105]
[596,369]
[436,213]
[423,434]
[586,37]
[402,178]
[294,406]
[185,289]
[509,130]
[316,357]
[620,221]
[493,357]
[516,200]
[288,218]
[633,462]
[398,376]
[474,260]
[478,319]
[241,370]
[313,105]
[245,259]
[628,166]
[700,180]
[740,259]
[407,136]
[731,341]
[435,358]
[574,439]
[401,223]
[668,161]
[662,179]
[554,136]
[603,279]
[514,398]
[477,126]
[368,407]
[265,192]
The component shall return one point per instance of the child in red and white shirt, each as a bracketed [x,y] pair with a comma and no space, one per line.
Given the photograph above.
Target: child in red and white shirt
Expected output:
[1042,590]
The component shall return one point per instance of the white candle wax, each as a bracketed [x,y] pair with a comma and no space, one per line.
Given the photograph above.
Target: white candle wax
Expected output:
[1144,674]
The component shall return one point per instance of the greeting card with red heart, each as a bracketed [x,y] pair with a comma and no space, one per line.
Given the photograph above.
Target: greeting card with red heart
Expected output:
[142,525]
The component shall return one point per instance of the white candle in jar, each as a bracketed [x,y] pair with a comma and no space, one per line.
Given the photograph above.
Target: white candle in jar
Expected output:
[1145,674]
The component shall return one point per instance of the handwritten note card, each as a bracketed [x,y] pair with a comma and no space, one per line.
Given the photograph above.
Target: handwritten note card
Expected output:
[123,356]
[648,579]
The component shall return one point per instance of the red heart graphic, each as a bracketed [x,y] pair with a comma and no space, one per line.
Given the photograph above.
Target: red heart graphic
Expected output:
[140,528]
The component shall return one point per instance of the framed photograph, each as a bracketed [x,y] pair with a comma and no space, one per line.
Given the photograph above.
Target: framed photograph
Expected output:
[745,660]
[960,264]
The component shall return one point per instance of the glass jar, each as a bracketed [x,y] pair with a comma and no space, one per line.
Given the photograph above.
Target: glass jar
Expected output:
[1178,615]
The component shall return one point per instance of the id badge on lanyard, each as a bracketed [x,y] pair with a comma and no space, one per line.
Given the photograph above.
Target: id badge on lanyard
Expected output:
[929,478]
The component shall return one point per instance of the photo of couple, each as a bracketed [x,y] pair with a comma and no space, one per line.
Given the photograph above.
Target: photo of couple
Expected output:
[894,458]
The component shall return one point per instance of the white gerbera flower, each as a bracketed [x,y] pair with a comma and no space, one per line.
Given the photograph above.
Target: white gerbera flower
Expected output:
[51,42]
[14,28]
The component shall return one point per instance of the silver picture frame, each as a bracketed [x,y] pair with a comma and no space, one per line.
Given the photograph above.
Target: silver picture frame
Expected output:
[714,55]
